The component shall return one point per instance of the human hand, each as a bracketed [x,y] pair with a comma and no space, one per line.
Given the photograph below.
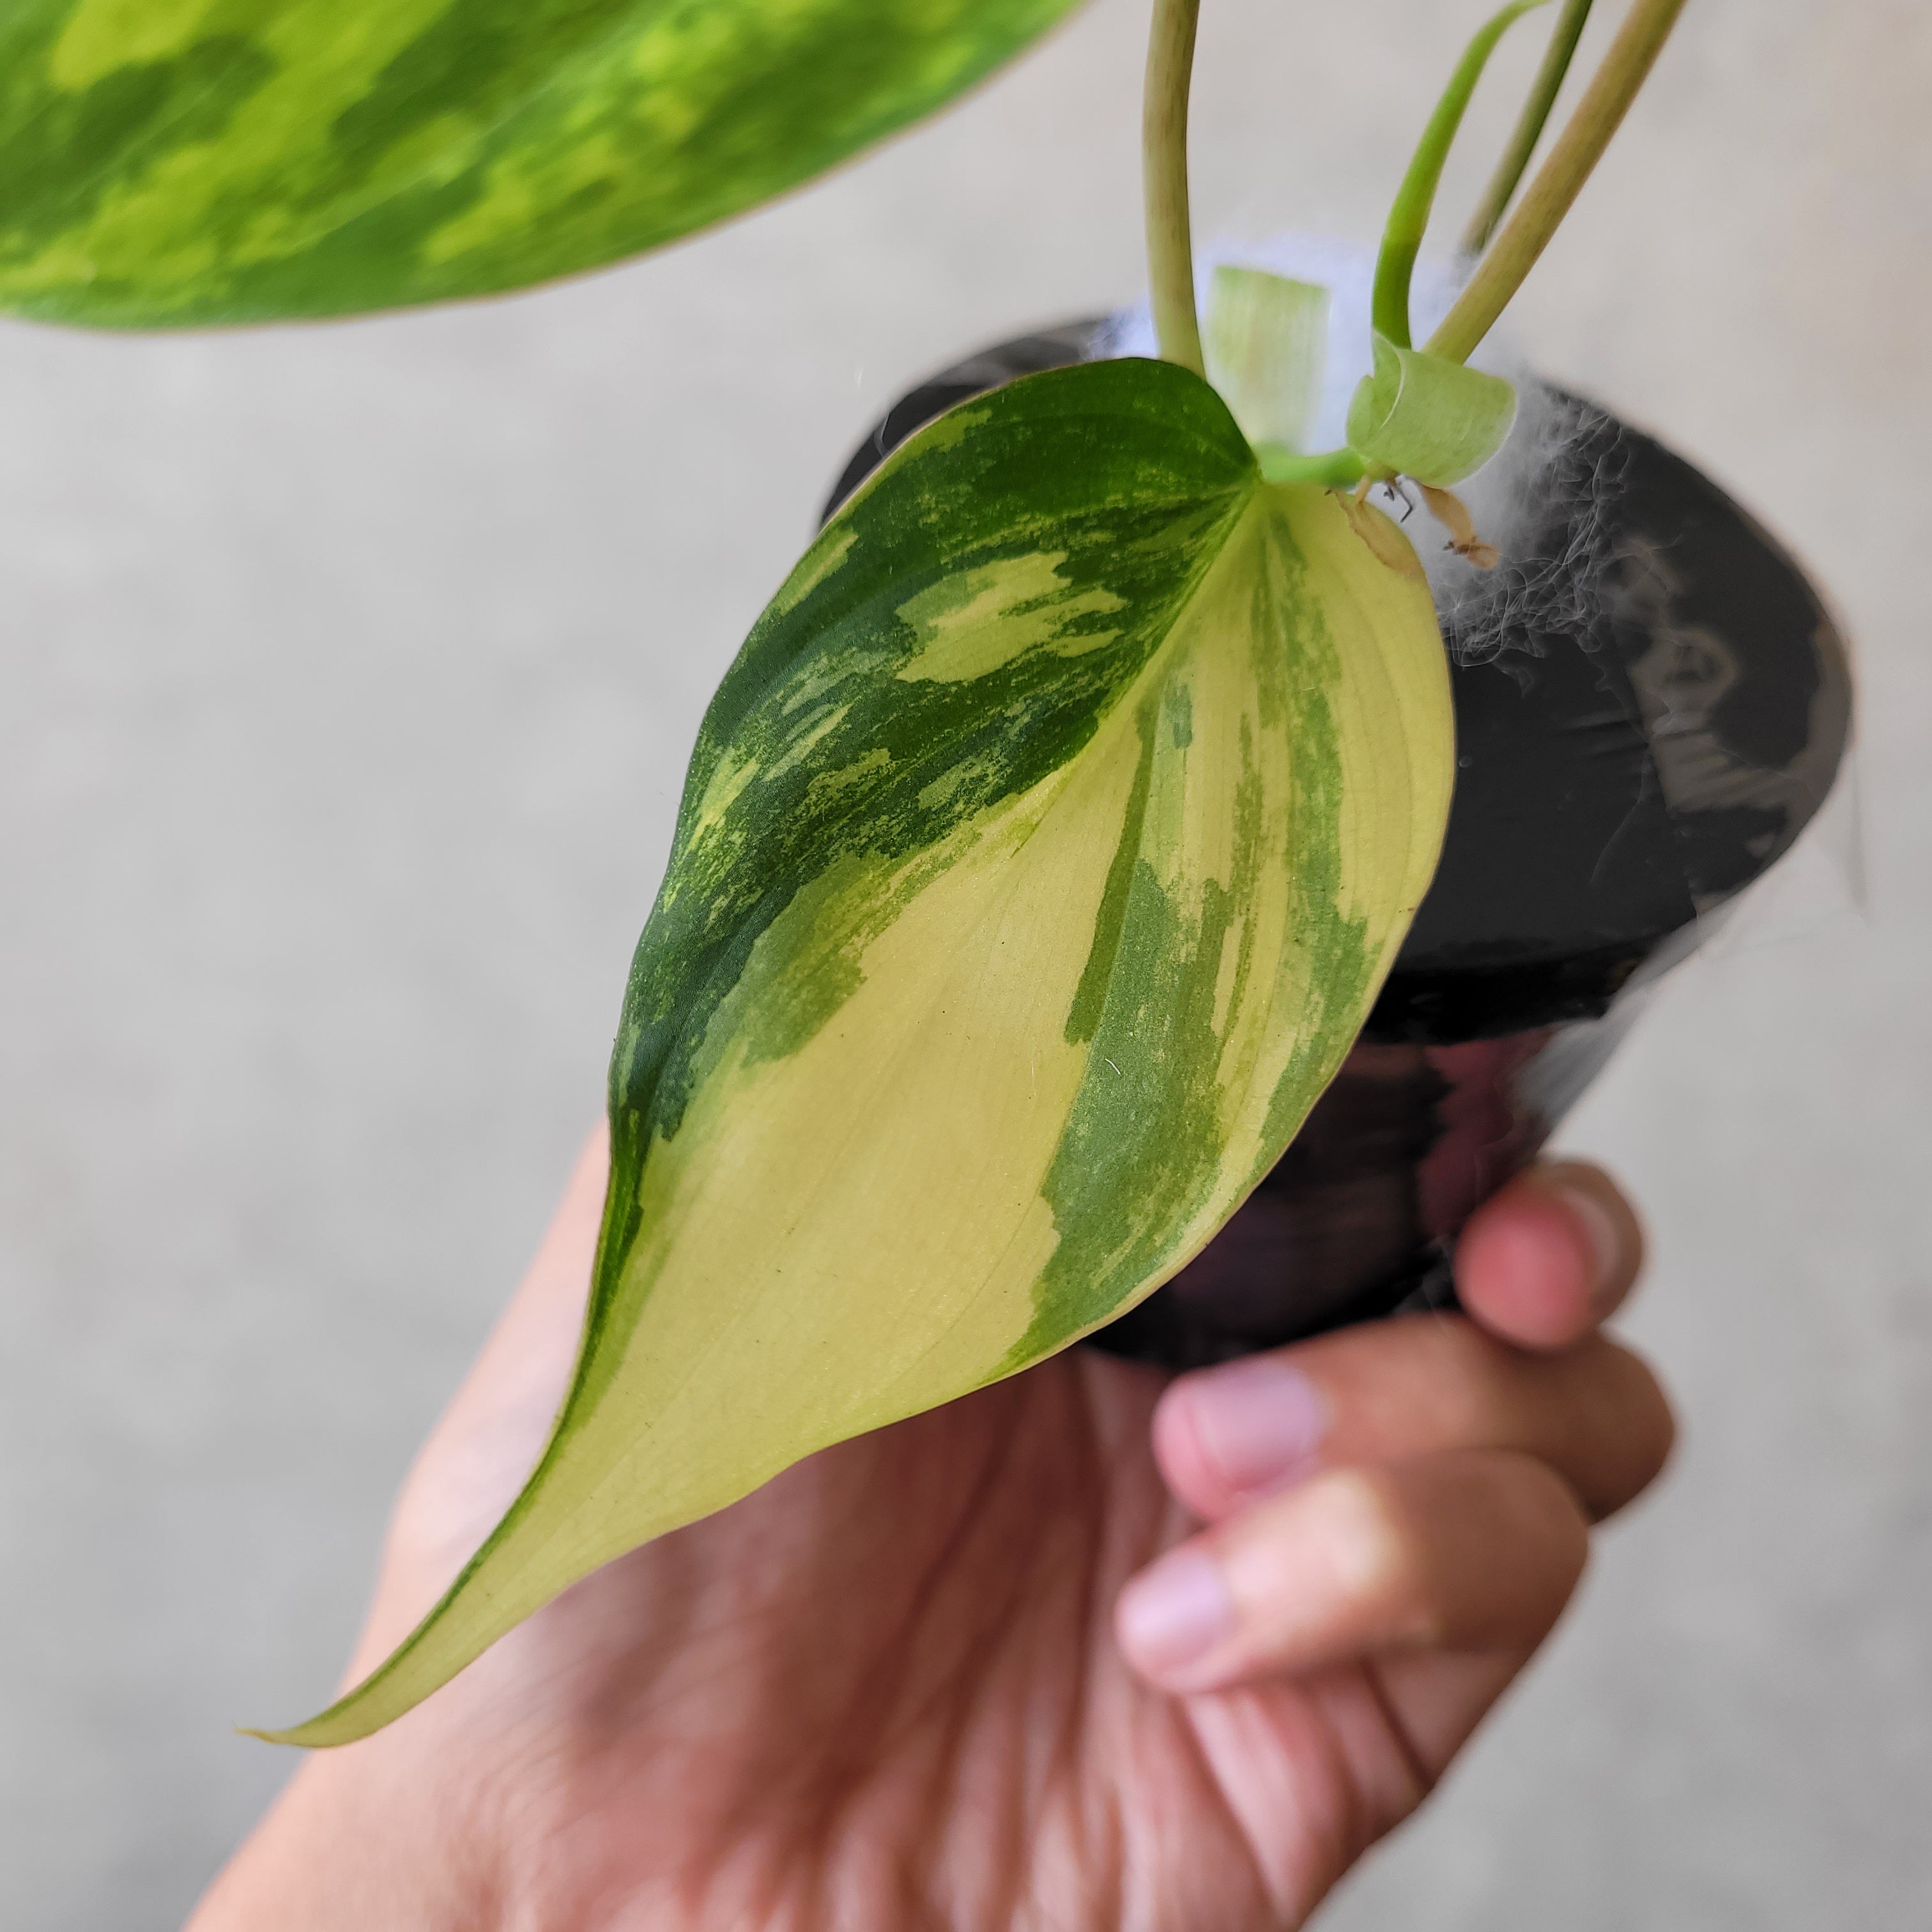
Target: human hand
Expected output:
[987,1668]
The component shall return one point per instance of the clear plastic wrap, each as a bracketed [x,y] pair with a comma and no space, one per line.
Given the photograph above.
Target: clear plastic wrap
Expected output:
[1652,702]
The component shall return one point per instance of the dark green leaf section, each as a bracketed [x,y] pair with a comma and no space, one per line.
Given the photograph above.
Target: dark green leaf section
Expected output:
[1129,474]
[180,162]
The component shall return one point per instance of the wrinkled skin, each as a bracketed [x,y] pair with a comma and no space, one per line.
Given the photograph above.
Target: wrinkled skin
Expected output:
[892,1689]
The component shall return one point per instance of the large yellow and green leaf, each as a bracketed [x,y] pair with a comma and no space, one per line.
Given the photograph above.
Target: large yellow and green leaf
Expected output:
[169,162]
[1040,858]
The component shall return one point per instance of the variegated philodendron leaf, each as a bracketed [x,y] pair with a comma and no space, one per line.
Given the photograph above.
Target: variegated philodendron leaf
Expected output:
[189,161]
[1039,860]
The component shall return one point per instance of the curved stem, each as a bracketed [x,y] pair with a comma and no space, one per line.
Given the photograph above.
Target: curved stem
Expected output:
[1560,180]
[1170,240]
[1549,83]
[1408,218]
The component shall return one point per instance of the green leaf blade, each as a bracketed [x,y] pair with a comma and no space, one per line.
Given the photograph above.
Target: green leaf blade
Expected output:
[180,163]
[1039,857]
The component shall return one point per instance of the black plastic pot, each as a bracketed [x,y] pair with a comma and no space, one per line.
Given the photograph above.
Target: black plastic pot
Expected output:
[1628,761]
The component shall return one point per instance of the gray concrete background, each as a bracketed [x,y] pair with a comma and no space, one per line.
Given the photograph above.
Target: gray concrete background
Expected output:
[348,676]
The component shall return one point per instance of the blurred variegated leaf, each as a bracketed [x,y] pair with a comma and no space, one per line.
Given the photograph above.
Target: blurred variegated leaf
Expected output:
[1040,857]
[1427,417]
[169,162]
[1265,342]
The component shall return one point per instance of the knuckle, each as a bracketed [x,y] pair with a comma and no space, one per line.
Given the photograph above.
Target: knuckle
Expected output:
[1542,1549]
[1630,1433]
[1463,1376]
[1549,1515]
[1652,1432]
[1380,1555]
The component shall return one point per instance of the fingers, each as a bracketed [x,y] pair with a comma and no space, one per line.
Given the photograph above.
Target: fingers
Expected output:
[1418,1491]
[1395,1390]
[1473,1552]
[1550,1257]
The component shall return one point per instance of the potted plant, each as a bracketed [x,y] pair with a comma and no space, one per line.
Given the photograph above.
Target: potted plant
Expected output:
[1055,834]
[1651,703]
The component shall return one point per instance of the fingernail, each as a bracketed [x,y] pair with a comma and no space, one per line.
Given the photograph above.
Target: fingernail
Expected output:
[1258,1422]
[1605,1237]
[1172,1615]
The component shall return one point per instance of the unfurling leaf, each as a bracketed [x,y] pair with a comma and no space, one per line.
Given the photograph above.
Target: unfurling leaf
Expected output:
[1040,858]
[1423,416]
[178,162]
[1265,342]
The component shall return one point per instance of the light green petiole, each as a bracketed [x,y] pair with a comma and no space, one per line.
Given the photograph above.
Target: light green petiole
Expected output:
[1560,180]
[1408,218]
[1332,469]
[1502,272]
[1529,130]
[1170,240]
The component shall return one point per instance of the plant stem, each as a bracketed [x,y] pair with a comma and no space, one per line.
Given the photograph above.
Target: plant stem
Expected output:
[1549,83]
[1560,180]
[1408,218]
[1170,240]
[1333,470]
